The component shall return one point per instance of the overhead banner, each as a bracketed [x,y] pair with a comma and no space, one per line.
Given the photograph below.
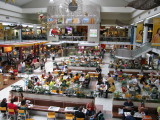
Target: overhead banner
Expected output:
[1,32]
[139,33]
[156,32]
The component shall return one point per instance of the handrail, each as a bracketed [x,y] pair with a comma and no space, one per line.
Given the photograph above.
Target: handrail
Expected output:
[131,54]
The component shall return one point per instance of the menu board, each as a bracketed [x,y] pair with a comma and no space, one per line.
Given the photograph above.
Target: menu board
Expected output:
[69,21]
[75,21]
[93,33]
[85,20]
[60,21]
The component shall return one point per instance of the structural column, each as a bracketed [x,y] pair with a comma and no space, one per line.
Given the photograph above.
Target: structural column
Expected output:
[134,41]
[20,53]
[145,31]
[35,29]
[20,34]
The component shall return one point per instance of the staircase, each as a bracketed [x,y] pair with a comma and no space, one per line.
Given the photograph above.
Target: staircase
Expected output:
[132,54]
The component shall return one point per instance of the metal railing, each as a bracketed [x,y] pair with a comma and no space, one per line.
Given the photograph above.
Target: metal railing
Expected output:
[131,54]
[115,39]
[139,51]
[72,38]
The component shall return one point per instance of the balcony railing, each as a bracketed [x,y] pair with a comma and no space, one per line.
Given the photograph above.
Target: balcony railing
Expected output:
[72,38]
[115,39]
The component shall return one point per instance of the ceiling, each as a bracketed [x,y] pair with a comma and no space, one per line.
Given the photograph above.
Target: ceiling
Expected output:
[18,2]
[110,3]
[106,17]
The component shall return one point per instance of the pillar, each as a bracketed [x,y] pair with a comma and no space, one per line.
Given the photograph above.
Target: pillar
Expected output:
[35,29]
[20,34]
[20,53]
[145,31]
[134,41]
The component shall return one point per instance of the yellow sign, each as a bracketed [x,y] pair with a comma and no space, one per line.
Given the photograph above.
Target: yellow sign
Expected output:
[1,32]
[139,33]
[156,32]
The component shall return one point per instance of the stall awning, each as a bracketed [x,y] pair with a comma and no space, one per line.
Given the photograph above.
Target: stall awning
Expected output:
[23,44]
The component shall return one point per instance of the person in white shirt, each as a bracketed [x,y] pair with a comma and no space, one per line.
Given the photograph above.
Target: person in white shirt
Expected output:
[82,78]
[134,80]
[65,69]
[157,83]
[23,65]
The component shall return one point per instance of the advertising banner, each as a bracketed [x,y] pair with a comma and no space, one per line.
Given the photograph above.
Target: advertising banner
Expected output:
[139,33]
[156,32]
[1,32]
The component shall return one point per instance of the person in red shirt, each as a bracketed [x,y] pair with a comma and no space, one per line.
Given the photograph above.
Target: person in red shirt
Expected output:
[91,108]
[12,106]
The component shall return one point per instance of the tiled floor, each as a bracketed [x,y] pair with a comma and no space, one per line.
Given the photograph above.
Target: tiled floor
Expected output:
[106,103]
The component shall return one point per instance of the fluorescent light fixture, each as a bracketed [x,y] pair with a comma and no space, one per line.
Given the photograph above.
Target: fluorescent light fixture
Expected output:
[140,21]
[60,6]
[51,1]
[6,23]
[153,16]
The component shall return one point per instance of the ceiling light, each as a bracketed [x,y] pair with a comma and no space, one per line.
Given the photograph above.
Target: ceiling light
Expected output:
[60,6]
[51,1]
[139,21]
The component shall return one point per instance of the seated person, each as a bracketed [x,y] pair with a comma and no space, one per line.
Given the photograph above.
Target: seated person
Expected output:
[142,108]
[43,76]
[130,117]
[91,108]
[12,106]
[82,78]
[97,116]
[49,77]
[64,85]
[76,78]
[4,104]
[154,93]
[146,116]
[137,89]
[11,70]
[79,113]
[128,106]
[134,80]
[23,106]
[146,87]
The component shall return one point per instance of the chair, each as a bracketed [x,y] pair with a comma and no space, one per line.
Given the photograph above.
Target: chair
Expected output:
[79,118]
[51,115]
[69,116]
[21,113]
[6,80]
[54,91]
[127,95]
[4,109]
[60,92]
[11,115]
